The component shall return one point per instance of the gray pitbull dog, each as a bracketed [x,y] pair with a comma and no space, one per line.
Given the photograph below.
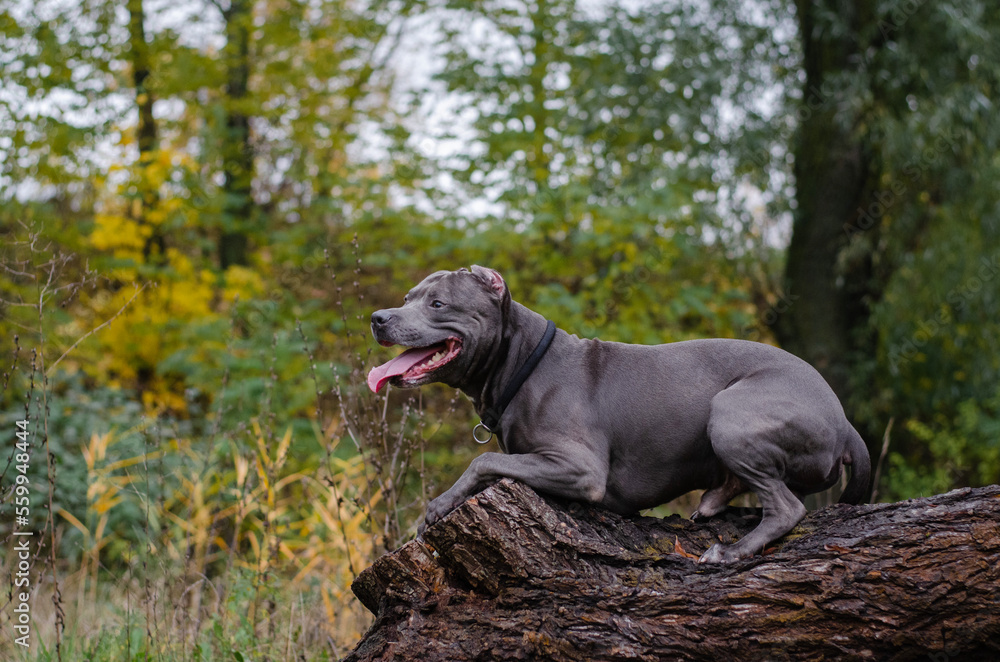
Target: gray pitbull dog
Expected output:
[626,427]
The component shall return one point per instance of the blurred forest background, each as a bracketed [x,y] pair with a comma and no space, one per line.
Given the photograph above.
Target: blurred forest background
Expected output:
[201,202]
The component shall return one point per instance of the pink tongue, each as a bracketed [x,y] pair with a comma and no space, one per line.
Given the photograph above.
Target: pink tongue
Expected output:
[380,374]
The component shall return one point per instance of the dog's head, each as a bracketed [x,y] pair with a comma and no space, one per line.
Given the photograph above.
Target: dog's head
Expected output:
[447,322]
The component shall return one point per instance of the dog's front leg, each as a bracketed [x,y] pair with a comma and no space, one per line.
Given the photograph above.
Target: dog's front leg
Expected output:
[580,478]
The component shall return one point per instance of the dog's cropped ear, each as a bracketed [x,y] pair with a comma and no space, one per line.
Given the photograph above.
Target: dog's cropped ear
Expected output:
[494,281]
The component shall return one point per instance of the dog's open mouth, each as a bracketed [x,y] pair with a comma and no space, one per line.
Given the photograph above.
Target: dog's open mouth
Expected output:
[414,363]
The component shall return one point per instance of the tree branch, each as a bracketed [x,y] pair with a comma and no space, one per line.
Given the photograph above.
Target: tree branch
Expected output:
[106,322]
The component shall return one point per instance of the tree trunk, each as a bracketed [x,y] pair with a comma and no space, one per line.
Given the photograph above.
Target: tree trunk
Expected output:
[237,150]
[511,575]
[827,325]
[146,132]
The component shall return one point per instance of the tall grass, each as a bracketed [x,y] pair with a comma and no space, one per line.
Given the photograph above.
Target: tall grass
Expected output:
[171,539]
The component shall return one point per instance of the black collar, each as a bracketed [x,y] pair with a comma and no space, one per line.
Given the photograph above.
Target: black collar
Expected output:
[491,417]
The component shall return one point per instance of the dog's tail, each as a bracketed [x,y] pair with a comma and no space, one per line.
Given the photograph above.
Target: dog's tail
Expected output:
[856,455]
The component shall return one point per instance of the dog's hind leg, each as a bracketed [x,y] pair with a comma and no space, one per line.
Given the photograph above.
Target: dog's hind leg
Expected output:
[715,500]
[782,511]
[765,441]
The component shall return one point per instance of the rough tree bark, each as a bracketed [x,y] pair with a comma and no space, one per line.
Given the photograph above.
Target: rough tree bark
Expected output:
[513,576]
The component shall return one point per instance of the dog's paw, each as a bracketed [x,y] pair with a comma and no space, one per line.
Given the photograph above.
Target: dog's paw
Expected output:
[719,553]
[713,554]
[439,507]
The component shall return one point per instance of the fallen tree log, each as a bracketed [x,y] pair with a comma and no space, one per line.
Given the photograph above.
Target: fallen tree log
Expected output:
[511,575]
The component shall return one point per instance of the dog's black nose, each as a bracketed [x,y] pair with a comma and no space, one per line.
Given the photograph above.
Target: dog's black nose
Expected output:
[380,318]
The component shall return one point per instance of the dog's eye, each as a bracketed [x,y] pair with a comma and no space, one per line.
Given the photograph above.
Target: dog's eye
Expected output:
[437,304]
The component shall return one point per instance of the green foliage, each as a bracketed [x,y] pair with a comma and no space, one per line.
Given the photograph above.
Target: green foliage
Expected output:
[933,226]
[964,450]
[191,311]
[75,413]
[583,153]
